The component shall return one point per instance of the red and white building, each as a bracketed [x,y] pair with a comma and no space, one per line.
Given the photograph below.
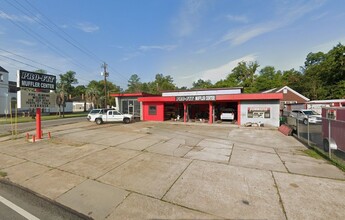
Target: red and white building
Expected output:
[206,106]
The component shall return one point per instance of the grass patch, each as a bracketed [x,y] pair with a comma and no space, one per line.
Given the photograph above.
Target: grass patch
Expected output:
[3,174]
[313,154]
[334,160]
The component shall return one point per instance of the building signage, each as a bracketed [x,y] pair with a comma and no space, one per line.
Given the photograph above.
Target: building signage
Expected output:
[36,80]
[198,98]
[259,112]
[27,99]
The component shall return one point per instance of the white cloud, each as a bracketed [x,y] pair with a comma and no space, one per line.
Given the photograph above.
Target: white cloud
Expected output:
[214,74]
[130,56]
[243,35]
[64,26]
[238,18]
[20,18]
[157,47]
[285,14]
[319,16]
[327,46]
[26,42]
[222,71]
[189,17]
[87,27]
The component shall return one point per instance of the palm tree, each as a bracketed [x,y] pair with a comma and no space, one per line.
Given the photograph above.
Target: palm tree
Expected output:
[92,95]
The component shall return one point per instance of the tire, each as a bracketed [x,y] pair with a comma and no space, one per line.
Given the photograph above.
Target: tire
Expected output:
[305,121]
[325,145]
[98,121]
[126,120]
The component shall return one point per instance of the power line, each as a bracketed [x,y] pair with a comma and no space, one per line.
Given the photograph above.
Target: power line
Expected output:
[81,48]
[31,60]
[48,43]
[23,63]
[58,33]
[42,39]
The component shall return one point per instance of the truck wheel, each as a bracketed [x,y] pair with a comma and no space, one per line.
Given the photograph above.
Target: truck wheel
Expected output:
[126,120]
[98,121]
[325,145]
[305,121]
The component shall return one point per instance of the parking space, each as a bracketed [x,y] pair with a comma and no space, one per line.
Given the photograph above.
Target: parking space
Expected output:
[173,170]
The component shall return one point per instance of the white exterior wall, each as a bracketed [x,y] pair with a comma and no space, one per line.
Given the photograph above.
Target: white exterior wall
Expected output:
[274,106]
[5,98]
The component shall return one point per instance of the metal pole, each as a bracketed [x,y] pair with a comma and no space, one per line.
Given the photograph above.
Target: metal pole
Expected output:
[38,121]
[329,138]
[105,83]
[297,122]
[308,132]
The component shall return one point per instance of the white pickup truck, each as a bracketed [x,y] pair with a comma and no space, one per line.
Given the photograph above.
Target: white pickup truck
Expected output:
[114,116]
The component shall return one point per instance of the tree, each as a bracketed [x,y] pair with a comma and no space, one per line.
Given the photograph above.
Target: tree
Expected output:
[324,73]
[66,83]
[78,91]
[268,78]
[202,84]
[161,83]
[242,75]
[134,84]
[229,81]
[95,92]
[92,93]
[293,79]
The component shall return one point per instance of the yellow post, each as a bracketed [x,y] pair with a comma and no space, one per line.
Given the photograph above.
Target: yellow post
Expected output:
[16,121]
[11,118]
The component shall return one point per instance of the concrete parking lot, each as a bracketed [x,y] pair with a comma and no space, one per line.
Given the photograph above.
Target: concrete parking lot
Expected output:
[148,170]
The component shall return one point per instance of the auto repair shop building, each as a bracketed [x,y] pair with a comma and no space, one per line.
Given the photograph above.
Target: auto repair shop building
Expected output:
[207,105]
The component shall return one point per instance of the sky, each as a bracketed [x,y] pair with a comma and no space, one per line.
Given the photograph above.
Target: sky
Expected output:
[186,39]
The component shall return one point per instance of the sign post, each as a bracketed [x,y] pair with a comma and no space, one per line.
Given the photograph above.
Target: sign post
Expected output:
[38,121]
[36,99]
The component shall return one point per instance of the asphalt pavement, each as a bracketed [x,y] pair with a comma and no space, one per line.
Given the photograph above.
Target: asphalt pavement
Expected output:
[154,170]
[17,203]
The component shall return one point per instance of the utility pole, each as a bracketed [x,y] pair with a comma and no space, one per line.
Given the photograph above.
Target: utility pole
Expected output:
[106,74]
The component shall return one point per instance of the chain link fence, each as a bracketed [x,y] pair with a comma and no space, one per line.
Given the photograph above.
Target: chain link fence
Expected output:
[323,135]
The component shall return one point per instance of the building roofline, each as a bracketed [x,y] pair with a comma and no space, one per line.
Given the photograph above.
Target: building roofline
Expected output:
[288,88]
[138,94]
[3,70]
[232,97]
[205,89]
[325,101]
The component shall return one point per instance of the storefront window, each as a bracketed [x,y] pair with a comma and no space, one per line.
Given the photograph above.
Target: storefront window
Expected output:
[259,112]
[125,106]
[152,110]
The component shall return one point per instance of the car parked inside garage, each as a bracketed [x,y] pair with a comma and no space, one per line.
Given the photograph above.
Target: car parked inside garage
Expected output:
[227,114]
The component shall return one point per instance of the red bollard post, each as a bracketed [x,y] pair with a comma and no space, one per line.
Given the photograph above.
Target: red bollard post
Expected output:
[33,138]
[49,136]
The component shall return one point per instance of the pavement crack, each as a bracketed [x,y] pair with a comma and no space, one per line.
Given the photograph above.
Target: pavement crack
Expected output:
[283,162]
[232,150]
[280,198]
[176,179]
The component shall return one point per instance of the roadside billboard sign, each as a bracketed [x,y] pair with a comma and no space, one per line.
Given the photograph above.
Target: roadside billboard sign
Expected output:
[34,80]
[28,99]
